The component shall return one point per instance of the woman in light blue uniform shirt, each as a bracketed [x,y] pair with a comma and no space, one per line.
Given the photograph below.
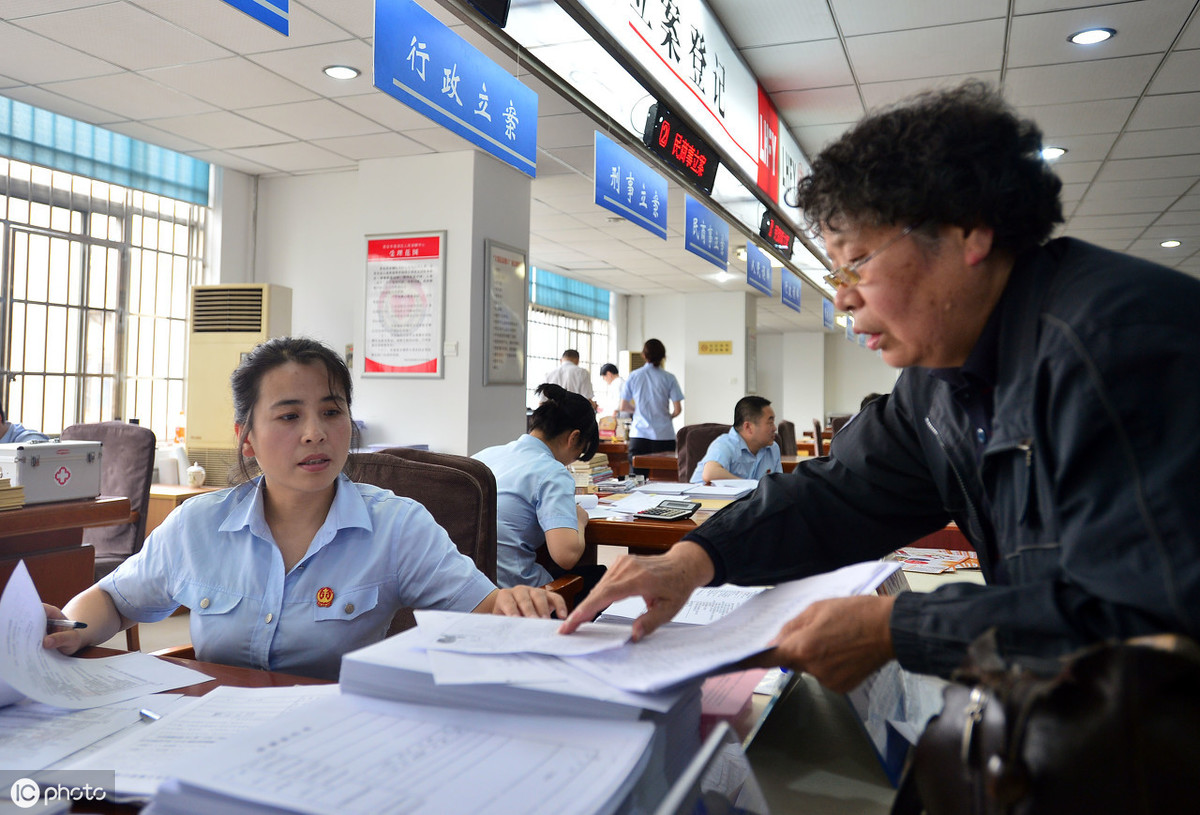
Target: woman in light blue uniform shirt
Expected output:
[292,569]
[535,492]
[654,397]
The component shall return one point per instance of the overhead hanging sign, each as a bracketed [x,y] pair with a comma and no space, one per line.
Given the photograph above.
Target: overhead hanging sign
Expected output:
[434,71]
[681,47]
[828,319]
[271,12]
[758,269]
[705,233]
[789,282]
[676,144]
[629,188]
[775,233]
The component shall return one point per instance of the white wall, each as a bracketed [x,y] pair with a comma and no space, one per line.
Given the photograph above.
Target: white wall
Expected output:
[770,371]
[851,373]
[662,317]
[804,378]
[230,234]
[716,381]
[311,237]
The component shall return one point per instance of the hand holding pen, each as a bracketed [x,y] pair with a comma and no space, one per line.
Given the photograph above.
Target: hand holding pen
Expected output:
[62,625]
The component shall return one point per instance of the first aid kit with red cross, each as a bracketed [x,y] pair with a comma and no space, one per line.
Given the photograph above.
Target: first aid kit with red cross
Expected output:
[52,470]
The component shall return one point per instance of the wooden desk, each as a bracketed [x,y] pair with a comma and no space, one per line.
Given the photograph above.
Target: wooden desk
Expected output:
[49,538]
[165,497]
[665,466]
[618,456]
[640,537]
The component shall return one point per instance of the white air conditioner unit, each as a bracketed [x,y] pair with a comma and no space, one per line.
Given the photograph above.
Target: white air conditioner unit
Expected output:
[629,361]
[226,322]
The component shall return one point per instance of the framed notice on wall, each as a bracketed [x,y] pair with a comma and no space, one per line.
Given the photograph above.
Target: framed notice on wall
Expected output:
[406,294]
[506,310]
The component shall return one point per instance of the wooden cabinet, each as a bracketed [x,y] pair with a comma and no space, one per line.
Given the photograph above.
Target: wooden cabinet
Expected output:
[165,497]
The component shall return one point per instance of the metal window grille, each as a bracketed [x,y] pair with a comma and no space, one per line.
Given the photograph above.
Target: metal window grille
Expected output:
[550,333]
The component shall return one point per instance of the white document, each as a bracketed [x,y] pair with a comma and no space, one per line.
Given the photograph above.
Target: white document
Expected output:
[33,735]
[450,668]
[351,755]
[467,633]
[142,760]
[673,654]
[723,488]
[635,502]
[587,501]
[664,487]
[51,677]
[704,606]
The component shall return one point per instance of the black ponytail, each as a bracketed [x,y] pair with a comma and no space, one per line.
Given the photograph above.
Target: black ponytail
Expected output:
[562,412]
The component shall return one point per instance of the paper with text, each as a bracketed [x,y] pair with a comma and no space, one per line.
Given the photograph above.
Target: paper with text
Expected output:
[350,755]
[467,633]
[673,654]
[51,677]
[704,606]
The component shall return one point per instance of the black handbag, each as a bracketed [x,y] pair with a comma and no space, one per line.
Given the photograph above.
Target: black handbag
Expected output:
[1117,730]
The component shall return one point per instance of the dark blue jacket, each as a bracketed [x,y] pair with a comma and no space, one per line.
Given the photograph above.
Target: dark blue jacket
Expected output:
[1084,506]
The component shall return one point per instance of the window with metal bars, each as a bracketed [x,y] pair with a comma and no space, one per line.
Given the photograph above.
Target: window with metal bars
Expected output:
[94,285]
[550,333]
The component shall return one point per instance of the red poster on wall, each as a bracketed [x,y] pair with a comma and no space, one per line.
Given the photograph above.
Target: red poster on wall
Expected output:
[406,289]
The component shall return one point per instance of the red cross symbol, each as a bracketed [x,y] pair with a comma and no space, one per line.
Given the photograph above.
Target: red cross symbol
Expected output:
[62,476]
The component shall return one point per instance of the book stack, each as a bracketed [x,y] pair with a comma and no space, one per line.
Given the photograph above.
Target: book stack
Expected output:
[588,474]
[11,497]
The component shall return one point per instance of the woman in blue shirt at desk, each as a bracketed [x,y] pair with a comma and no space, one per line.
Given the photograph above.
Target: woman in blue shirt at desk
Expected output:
[654,398]
[535,492]
[292,569]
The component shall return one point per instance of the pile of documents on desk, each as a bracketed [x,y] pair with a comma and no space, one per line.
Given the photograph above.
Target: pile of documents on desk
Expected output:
[465,713]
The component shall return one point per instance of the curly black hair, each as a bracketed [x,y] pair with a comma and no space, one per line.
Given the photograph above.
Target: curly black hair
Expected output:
[960,157]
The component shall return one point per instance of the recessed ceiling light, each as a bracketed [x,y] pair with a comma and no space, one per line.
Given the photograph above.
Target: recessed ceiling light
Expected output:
[1091,36]
[1052,153]
[723,277]
[1169,244]
[341,72]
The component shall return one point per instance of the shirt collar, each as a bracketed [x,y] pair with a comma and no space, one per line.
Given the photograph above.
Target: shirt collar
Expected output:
[534,443]
[980,368]
[347,511]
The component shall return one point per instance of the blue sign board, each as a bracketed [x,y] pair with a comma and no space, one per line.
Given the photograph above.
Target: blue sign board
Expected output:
[436,72]
[790,283]
[850,329]
[705,233]
[758,268]
[630,188]
[272,12]
[827,318]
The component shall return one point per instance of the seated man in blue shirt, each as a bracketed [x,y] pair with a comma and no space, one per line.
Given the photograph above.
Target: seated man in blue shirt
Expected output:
[748,450]
[11,432]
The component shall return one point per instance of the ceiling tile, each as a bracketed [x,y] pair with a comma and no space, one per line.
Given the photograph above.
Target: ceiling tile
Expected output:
[1134,169]
[857,17]
[927,52]
[879,94]
[1142,188]
[792,21]
[392,113]
[293,157]
[440,139]
[813,140]
[314,119]
[131,96]
[1128,205]
[14,9]
[567,130]
[822,106]
[1085,148]
[1143,27]
[800,65]
[1174,141]
[64,105]
[1080,118]
[36,60]
[1178,73]
[1171,110]
[374,145]
[1080,81]
[357,18]
[1181,217]
[221,129]
[305,66]
[1112,221]
[152,135]
[125,35]
[231,83]
[233,162]
[240,33]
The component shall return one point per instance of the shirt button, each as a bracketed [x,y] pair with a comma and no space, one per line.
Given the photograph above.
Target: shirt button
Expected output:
[270,617]
[349,608]
[204,603]
[980,435]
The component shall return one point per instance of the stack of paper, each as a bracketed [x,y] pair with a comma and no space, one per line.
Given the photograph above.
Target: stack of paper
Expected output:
[729,488]
[11,497]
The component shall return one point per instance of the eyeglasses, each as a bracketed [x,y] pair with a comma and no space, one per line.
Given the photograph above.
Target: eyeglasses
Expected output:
[847,274]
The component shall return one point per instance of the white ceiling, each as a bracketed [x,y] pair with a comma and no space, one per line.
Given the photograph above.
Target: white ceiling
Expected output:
[202,78]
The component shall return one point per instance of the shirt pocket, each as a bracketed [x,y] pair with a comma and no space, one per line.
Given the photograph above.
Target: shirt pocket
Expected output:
[207,600]
[348,604]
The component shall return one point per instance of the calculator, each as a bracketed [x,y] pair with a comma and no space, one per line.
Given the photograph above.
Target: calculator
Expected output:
[670,511]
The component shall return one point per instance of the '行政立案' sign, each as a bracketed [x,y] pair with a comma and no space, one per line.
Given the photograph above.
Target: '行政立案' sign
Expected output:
[436,72]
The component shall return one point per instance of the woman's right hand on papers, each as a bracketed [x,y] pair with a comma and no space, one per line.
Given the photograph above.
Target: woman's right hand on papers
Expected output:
[664,582]
[67,642]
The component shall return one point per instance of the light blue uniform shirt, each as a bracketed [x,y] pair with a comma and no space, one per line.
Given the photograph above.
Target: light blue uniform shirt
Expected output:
[16,433]
[215,554]
[651,389]
[731,452]
[534,494]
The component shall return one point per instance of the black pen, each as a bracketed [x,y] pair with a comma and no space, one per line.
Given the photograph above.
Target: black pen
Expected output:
[62,625]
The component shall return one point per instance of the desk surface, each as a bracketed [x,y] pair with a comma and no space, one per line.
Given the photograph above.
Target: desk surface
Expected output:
[102,511]
[665,466]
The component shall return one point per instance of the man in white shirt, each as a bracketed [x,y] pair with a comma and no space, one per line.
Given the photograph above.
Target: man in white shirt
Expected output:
[610,399]
[573,378]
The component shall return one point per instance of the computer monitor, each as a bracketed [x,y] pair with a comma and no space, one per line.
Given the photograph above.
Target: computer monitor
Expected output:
[718,781]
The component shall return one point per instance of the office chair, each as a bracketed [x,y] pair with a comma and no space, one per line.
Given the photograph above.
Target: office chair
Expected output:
[691,443]
[785,435]
[818,442]
[126,468]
